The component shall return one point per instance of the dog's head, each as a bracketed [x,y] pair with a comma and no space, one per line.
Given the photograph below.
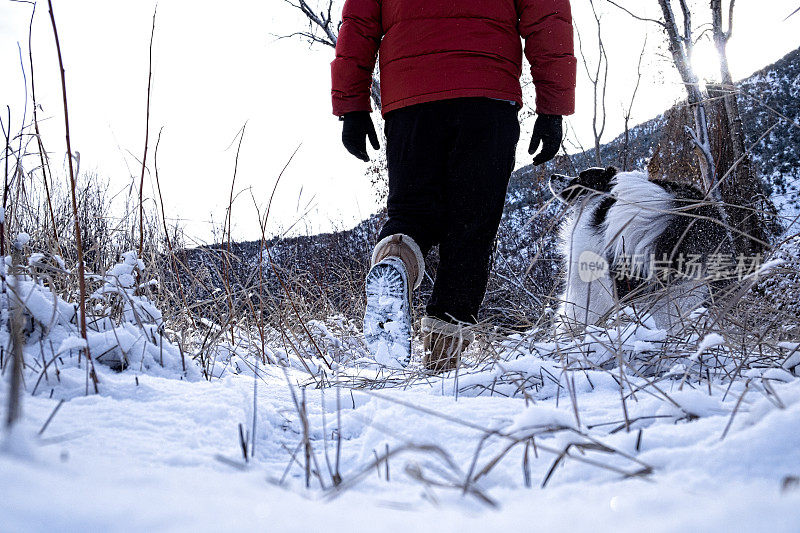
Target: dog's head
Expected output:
[591,181]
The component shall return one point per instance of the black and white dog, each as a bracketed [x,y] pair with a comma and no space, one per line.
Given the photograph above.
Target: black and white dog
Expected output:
[631,240]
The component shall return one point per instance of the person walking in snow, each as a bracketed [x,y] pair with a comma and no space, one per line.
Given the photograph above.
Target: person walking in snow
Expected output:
[450,93]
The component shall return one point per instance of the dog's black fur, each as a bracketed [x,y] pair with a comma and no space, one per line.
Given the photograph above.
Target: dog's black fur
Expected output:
[692,227]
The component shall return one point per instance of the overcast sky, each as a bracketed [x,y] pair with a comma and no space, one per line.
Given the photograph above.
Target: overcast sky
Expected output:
[219,65]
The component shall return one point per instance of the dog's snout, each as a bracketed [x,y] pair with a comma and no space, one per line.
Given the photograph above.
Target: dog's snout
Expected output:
[558,183]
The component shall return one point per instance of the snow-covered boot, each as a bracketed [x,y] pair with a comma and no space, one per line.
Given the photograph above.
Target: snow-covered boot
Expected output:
[444,342]
[397,268]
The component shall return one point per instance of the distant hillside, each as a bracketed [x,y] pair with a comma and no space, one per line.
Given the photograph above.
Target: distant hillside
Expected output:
[332,265]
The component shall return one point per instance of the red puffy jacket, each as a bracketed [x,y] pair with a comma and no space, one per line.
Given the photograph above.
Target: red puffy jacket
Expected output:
[441,49]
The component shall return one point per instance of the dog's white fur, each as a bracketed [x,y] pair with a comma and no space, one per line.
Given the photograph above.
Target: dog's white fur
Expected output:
[582,302]
[632,224]
[637,218]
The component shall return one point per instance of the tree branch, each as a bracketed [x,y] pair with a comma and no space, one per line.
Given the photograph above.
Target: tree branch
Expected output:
[311,37]
[687,30]
[790,14]
[322,21]
[730,20]
[634,15]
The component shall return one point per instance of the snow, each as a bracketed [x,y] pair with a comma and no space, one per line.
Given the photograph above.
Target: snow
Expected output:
[793,358]
[769,266]
[35,258]
[538,416]
[709,341]
[22,240]
[72,343]
[144,457]
[387,324]
[550,432]
[17,444]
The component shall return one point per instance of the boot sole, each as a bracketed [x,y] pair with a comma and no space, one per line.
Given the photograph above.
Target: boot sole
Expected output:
[387,318]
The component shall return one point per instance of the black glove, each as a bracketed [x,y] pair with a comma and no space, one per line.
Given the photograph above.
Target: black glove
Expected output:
[357,126]
[548,131]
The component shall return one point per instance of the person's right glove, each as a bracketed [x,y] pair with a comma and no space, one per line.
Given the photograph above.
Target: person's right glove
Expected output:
[547,131]
[356,127]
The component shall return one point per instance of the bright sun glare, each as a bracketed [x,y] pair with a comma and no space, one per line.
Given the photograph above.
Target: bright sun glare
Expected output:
[706,62]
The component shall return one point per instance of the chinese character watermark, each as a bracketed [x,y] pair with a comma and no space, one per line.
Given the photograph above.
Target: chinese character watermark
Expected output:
[679,267]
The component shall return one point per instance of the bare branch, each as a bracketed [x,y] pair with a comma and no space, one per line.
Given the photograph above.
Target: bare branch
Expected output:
[687,29]
[716,21]
[730,20]
[637,17]
[321,21]
[146,134]
[792,13]
[599,100]
[627,114]
[681,49]
[311,37]
[77,224]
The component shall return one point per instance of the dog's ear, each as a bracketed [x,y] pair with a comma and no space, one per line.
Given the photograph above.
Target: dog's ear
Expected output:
[606,177]
[594,179]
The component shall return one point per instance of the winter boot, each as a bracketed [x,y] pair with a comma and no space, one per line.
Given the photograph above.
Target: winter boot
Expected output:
[397,269]
[444,342]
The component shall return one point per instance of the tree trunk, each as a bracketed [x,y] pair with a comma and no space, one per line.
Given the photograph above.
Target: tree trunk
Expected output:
[740,186]
[681,47]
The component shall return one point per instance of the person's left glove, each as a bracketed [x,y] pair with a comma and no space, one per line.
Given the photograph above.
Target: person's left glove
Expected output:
[547,131]
[357,126]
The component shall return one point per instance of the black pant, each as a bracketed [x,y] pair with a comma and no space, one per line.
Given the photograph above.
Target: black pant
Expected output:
[449,164]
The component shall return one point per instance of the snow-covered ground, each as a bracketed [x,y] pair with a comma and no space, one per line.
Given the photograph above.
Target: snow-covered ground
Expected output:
[622,428]
[163,453]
